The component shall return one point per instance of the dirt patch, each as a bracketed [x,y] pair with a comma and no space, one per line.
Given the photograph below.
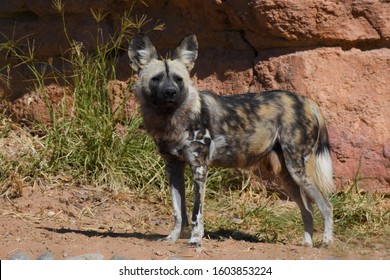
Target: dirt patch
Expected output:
[69,222]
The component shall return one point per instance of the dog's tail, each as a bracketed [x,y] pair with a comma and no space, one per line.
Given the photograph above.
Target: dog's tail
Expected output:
[323,170]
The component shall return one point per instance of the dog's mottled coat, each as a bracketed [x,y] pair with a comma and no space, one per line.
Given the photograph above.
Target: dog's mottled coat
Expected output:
[204,129]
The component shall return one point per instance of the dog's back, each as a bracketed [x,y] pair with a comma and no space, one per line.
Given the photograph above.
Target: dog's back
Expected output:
[246,127]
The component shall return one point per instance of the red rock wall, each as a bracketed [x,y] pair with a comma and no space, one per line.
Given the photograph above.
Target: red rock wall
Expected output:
[337,52]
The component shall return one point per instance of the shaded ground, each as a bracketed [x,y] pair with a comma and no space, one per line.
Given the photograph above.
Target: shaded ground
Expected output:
[69,222]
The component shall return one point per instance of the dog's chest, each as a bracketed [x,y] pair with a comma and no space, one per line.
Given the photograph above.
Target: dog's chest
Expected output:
[195,147]
[201,149]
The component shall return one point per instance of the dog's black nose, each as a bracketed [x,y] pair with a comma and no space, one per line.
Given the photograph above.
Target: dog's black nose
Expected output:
[170,92]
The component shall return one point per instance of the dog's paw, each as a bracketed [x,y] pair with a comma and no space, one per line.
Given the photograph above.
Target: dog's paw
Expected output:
[328,239]
[326,243]
[307,241]
[173,236]
[168,239]
[195,242]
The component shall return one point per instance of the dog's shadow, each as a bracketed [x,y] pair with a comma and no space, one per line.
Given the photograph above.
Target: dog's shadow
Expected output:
[219,235]
[95,233]
[224,234]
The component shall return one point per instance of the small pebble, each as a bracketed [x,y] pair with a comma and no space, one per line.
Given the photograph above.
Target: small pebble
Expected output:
[51,213]
[121,258]
[46,256]
[175,258]
[158,253]
[20,256]
[237,221]
[90,256]
[118,258]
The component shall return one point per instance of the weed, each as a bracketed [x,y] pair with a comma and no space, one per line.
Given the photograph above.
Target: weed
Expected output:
[358,215]
[81,139]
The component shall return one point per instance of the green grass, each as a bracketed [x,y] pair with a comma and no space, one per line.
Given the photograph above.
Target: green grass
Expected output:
[358,215]
[81,140]
[83,148]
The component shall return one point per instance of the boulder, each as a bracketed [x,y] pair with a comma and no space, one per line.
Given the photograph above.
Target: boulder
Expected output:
[352,90]
[336,52]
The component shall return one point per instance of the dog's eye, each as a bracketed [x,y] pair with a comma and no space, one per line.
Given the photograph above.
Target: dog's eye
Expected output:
[157,79]
[178,80]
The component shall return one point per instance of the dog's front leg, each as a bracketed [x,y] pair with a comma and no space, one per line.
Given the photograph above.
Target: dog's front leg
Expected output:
[175,172]
[199,174]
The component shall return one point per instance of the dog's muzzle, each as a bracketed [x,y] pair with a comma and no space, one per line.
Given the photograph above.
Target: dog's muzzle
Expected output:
[170,93]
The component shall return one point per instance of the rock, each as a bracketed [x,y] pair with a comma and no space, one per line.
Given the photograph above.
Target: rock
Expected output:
[236,220]
[33,107]
[173,258]
[50,213]
[309,22]
[158,253]
[46,256]
[118,257]
[386,151]
[20,256]
[90,256]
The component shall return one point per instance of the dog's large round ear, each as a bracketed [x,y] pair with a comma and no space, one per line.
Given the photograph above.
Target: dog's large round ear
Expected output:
[187,51]
[141,51]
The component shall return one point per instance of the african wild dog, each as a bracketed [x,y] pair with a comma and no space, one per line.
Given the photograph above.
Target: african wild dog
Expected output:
[202,129]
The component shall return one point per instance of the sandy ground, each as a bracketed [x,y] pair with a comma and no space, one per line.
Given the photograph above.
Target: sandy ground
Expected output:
[69,222]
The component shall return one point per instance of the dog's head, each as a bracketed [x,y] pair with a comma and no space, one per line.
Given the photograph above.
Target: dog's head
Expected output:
[163,83]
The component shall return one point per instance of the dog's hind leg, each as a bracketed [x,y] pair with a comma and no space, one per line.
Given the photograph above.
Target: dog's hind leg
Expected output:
[175,172]
[306,181]
[305,206]
[304,203]
[322,202]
